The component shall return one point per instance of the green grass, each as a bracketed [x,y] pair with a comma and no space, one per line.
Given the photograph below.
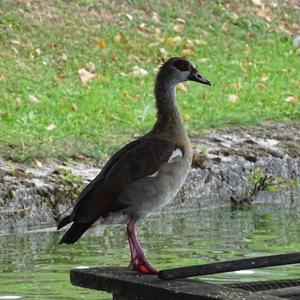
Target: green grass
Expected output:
[44,45]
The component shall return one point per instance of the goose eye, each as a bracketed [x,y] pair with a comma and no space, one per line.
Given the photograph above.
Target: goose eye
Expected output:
[181,65]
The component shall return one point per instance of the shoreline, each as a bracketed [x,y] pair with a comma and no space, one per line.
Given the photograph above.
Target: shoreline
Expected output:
[238,165]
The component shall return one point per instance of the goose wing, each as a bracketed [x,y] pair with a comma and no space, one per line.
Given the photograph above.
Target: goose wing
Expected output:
[136,160]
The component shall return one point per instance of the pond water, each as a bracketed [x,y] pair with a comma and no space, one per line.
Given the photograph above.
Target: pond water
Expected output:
[34,266]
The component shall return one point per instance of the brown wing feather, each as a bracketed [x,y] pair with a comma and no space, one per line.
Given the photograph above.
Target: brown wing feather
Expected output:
[142,159]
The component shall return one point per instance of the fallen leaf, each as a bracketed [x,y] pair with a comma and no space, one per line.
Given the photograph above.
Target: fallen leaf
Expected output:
[63,57]
[225,27]
[203,60]
[33,99]
[171,41]
[233,98]
[257,2]
[179,25]
[129,17]
[101,44]
[237,85]
[181,86]
[125,94]
[198,41]
[16,42]
[261,85]
[132,58]
[136,97]
[163,52]
[142,27]
[264,79]
[180,20]
[18,101]
[264,13]
[118,38]
[157,31]
[234,16]
[74,107]
[189,44]
[155,17]
[90,67]
[291,99]
[50,127]
[187,52]
[274,3]
[186,116]
[139,72]
[85,76]
[38,163]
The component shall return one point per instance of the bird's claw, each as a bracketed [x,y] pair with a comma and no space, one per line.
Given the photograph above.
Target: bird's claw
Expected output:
[142,266]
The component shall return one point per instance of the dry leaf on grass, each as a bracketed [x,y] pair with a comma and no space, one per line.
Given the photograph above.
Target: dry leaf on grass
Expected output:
[74,107]
[186,116]
[261,85]
[264,79]
[125,94]
[163,52]
[157,31]
[233,98]
[85,76]
[237,85]
[171,41]
[38,163]
[120,37]
[139,72]
[264,13]
[50,127]
[234,16]
[155,17]
[291,99]
[189,44]
[129,17]
[187,52]
[143,28]
[257,2]
[90,67]
[101,44]
[33,99]
[179,25]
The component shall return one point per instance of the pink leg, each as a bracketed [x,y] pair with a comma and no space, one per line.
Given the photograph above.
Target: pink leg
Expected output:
[138,261]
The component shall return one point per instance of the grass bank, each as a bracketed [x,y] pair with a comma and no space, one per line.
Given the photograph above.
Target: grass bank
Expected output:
[243,47]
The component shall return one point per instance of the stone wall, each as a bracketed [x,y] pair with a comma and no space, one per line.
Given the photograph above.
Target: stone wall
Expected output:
[230,167]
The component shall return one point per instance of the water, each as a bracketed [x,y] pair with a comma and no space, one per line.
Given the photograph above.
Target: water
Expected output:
[34,266]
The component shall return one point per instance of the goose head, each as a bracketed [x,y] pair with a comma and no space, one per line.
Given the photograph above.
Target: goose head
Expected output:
[179,69]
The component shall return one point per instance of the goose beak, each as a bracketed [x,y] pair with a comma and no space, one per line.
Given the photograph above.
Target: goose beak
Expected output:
[197,77]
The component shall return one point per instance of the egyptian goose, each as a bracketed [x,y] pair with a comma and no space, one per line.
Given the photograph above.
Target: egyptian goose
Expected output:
[143,176]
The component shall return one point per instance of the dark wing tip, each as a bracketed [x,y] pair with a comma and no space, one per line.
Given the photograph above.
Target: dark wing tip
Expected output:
[66,220]
[74,232]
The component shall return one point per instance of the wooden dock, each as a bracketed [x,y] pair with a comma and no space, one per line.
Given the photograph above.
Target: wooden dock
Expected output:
[130,285]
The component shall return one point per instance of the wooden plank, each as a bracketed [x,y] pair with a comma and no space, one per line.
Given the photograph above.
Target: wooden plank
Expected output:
[283,292]
[256,286]
[127,285]
[229,266]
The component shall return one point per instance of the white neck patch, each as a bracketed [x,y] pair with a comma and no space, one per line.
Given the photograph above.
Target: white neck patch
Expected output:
[177,152]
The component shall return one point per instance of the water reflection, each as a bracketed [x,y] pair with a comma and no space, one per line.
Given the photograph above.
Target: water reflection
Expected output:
[34,266]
